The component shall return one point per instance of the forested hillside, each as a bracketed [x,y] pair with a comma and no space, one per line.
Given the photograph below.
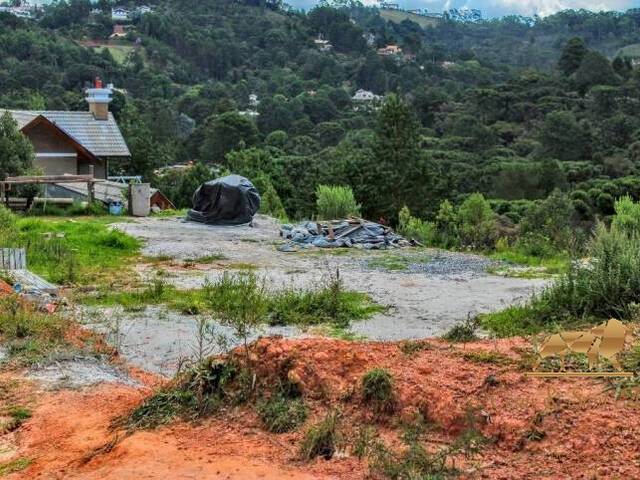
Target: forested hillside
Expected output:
[511,108]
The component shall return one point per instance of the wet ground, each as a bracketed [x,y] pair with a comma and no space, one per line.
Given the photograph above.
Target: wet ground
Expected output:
[432,291]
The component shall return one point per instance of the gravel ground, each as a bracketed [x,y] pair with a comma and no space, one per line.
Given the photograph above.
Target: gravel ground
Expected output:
[77,373]
[435,292]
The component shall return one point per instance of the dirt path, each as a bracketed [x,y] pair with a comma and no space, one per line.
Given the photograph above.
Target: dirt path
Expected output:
[438,290]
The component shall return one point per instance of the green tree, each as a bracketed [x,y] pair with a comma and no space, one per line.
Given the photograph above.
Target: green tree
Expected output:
[595,69]
[227,132]
[572,55]
[16,151]
[393,178]
[563,138]
[477,222]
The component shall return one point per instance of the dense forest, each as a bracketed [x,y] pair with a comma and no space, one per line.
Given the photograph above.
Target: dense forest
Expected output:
[512,108]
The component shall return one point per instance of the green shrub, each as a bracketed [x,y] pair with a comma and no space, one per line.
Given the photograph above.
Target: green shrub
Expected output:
[377,390]
[416,229]
[8,220]
[477,222]
[463,332]
[281,414]
[336,202]
[323,439]
[116,239]
[627,218]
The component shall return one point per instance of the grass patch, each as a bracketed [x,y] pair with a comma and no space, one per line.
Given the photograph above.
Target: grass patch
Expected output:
[198,391]
[608,286]
[76,251]
[323,439]
[539,266]
[14,466]
[280,414]
[493,358]
[399,16]
[413,347]
[206,259]
[18,415]
[463,332]
[30,335]
[377,390]
[510,322]
[331,304]
[242,266]
[170,213]
[396,262]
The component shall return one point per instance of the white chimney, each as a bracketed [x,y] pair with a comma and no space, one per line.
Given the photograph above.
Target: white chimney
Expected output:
[99,99]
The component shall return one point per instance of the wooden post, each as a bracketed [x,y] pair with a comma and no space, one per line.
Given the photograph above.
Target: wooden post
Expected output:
[91,186]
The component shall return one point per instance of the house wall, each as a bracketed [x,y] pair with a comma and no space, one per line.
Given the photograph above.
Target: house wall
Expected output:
[99,171]
[58,165]
[56,155]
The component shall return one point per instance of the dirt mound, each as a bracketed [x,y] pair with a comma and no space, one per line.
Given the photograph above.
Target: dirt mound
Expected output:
[536,428]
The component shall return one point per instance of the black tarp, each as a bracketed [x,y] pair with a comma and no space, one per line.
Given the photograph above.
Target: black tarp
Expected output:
[231,200]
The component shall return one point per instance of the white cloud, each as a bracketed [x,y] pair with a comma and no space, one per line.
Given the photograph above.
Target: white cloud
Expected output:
[548,7]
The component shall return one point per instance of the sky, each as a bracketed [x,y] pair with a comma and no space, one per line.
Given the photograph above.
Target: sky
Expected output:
[498,8]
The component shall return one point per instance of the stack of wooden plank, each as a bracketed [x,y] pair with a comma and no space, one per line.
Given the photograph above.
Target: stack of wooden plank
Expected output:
[13,261]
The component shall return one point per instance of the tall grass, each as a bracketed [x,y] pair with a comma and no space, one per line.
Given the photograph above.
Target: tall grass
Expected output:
[67,250]
[336,202]
[607,285]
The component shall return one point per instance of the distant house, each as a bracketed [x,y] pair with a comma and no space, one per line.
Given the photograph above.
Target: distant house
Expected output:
[322,44]
[118,31]
[143,9]
[390,6]
[22,10]
[75,143]
[365,96]
[370,38]
[390,50]
[120,14]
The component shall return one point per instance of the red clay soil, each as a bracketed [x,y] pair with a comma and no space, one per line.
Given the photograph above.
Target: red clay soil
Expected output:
[587,432]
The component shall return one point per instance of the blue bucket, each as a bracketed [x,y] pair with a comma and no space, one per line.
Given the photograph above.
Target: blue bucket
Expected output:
[115,208]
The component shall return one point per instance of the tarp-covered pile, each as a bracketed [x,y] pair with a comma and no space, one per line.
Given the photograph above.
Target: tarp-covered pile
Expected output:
[344,233]
[231,200]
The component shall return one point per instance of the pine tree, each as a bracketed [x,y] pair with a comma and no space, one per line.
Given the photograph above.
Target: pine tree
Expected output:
[572,56]
[395,175]
[16,152]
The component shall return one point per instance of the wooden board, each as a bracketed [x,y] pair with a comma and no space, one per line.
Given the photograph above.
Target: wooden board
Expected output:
[13,259]
[31,282]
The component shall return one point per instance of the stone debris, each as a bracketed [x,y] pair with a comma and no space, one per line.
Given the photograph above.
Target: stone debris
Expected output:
[350,233]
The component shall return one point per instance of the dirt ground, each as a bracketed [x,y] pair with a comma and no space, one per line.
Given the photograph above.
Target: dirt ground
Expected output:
[439,290]
[583,430]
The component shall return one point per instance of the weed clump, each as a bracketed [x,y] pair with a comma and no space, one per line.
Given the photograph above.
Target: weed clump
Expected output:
[336,202]
[30,335]
[281,414]
[323,439]
[377,390]
[194,393]
[463,332]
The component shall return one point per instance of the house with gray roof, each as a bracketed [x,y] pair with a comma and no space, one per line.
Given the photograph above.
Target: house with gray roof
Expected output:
[75,143]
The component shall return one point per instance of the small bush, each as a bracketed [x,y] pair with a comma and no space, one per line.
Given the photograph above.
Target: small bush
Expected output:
[28,333]
[463,332]
[477,222]
[116,239]
[416,229]
[336,202]
[281,414]
[8,220]
[323,439]
[377,390]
